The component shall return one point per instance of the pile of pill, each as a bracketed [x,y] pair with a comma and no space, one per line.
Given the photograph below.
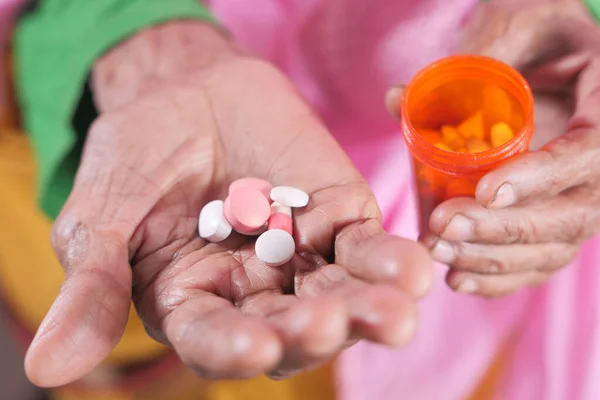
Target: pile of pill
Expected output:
[254,207]
[469,136]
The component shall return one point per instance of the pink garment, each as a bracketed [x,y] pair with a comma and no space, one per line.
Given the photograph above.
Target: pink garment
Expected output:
[343,54]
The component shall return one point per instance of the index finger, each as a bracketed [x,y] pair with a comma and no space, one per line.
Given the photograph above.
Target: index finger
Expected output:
[360,244]
[91,239]
[567,162]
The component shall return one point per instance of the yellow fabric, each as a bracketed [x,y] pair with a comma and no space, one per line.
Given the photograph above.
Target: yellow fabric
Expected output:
[183,385]
[30,273]
[489,385]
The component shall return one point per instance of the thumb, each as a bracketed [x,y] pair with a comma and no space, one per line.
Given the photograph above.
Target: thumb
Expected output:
[393,100]
[91,238]
[90,313]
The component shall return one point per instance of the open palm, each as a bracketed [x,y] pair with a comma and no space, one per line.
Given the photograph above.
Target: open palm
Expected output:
[129,231]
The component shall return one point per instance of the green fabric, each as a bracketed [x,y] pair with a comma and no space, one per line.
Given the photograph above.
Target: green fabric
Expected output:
[55,48]
[594,7]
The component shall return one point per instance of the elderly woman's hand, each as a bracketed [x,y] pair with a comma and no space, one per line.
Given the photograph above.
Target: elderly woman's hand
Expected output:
[530,217]
[183,114]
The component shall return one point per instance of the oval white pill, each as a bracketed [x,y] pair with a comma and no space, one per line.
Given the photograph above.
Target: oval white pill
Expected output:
[275,247]
[212,224]
[289,196]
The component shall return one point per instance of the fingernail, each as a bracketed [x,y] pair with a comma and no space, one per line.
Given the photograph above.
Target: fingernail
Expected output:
[393,98]
[459,228]
[443,252]
[467,286]
[505,196]
[429,241]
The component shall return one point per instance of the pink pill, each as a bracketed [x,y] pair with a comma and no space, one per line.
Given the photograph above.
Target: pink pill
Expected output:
[247,210]
[253,183]
[227,211]
[281,218]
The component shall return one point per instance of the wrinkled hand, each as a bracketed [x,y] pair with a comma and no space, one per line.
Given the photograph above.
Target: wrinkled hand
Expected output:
[161,150]
[530,216]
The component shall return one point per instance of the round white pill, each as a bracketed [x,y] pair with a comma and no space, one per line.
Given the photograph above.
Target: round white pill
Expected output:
[212,224]
[289,196]
[275,247]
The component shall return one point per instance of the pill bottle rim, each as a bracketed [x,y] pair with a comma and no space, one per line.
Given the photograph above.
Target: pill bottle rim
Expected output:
[468,67]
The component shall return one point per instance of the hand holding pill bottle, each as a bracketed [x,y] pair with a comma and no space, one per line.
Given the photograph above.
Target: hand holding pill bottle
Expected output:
[511,209]
[462,117]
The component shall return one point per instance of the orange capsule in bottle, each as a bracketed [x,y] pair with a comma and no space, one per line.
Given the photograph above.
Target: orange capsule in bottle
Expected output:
[472,127]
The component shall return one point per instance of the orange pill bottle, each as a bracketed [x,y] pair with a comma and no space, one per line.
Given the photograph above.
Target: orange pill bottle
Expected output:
[449,92]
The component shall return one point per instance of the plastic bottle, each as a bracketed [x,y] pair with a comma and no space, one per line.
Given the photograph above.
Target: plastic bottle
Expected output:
[448,92]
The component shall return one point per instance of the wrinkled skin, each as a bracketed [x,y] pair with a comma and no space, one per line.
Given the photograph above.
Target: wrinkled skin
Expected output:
[173,139]
[183,115]
[530,217]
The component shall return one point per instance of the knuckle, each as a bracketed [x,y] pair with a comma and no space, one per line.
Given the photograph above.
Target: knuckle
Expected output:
[502,266]
[576,229]
[549,176]
[520,230]
[69,239]
[479,259]
[353,235]
[462,256]
[583,224]
[471,257]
